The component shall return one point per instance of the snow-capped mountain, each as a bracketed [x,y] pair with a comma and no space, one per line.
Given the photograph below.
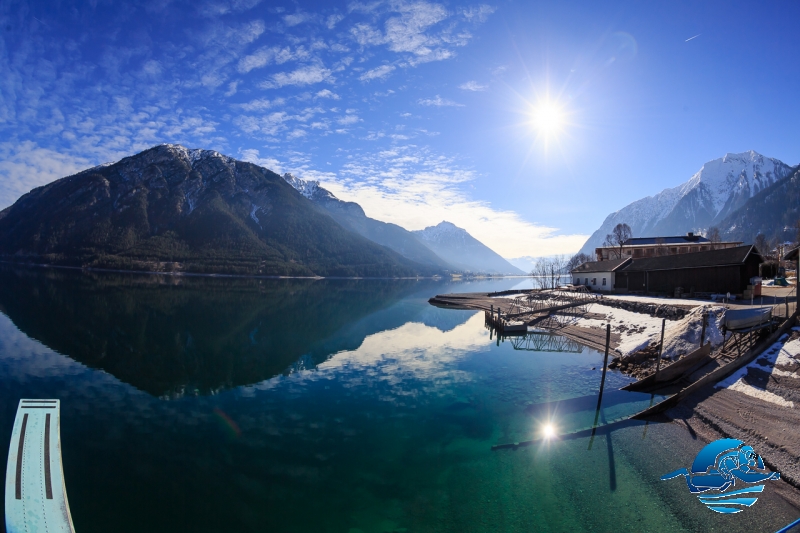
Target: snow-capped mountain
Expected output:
[714,192]
[178,209]
[464,251]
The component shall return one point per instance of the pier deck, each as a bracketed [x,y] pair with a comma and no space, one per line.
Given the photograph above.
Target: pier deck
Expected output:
[36,497]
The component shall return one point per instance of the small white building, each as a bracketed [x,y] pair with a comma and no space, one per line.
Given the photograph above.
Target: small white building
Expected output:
[598,275]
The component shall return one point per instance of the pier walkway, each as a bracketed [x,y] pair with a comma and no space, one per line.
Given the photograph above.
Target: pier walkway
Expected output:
[36,497]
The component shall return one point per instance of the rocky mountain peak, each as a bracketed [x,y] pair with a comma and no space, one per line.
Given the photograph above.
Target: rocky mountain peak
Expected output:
[305,187]
[719,188]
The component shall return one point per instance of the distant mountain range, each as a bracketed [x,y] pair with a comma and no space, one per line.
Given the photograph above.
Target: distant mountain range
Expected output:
[464,251]
[170,208]
[443,246]
[351,216]
[714,196]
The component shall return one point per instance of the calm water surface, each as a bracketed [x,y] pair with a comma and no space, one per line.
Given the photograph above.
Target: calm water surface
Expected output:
[217,405]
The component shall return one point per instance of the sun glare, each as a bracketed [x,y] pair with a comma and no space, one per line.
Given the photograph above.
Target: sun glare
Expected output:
[548,118]
[549,431]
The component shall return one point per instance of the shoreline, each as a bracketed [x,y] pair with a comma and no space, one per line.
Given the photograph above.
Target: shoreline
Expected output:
[243,276]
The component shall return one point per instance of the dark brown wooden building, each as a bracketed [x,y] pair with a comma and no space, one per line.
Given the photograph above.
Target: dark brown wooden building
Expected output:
[717,271]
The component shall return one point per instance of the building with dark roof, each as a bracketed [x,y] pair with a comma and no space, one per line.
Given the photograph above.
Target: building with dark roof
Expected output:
[660,246]
[718,271]
[598,275]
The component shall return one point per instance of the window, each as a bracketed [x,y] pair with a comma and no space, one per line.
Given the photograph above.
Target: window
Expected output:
[586,282]
[594,281]
[604,281]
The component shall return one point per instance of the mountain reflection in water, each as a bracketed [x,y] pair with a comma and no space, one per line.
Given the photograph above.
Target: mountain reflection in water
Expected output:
[170,336]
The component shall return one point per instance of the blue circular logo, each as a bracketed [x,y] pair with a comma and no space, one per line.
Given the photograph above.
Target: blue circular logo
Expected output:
[717,467]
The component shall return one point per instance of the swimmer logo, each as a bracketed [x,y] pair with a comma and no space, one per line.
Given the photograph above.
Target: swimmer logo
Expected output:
[717,467]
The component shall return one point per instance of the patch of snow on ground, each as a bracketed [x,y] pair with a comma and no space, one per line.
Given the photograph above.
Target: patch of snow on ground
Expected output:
[788,355]
[683,336]
[773,354]
[616,317]
[680,337]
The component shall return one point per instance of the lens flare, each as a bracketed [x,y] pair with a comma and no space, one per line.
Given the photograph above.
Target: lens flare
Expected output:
[230,426]
[549,431]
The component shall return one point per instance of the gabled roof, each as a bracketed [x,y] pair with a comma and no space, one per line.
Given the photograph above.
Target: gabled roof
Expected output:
[680,239]
[710,258]
[792,254]
[600,266]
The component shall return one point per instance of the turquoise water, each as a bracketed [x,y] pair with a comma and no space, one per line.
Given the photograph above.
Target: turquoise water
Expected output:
[217,404]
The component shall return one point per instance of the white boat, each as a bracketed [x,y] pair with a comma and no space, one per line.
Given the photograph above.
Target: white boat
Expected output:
[747,318]
[36,498]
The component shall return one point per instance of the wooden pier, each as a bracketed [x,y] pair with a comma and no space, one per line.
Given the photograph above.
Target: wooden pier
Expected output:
[36,497]
[511,313]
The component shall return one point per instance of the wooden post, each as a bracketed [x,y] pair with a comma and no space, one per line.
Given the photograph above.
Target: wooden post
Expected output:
[660,348]
[602,385]
[703,332]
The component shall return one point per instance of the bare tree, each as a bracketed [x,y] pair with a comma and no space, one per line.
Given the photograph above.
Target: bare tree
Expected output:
[617,238]
[577,260]
[762,245]
[797,231]
[539,272]
[548,272]
[714,236]
[661,248]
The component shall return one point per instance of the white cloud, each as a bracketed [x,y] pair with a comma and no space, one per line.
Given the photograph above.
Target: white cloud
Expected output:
[269,54]
[258,59]
[479,13]
[26,165]
[406,33]
[378,72]
[327,93]
[348,119]
[296,18]
[333,20]
[232,88]
[414,188]
[261,104]
[152,68]
[472,86]
[439,102]
[271,124]
[420,31]
[251,155]
[302,76]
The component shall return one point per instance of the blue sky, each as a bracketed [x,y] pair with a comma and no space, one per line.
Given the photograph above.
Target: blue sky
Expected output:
[419,111]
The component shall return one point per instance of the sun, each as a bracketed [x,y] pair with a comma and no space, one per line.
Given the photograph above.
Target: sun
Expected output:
[548,118]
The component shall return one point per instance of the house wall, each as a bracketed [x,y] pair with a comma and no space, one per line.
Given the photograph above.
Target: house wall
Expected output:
[733,279]
[655,250]
[595,280]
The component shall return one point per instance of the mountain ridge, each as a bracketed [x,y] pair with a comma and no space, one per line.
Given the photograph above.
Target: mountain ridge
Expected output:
[352,216]
[463,250]
[191,210]
[716,191]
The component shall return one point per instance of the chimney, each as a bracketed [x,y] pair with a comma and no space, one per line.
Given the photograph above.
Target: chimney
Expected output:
[691,234]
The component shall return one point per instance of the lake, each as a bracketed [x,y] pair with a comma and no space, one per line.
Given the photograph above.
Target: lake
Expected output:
[211,404]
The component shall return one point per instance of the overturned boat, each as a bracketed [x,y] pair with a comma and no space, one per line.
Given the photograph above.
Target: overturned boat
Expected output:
[737,319]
